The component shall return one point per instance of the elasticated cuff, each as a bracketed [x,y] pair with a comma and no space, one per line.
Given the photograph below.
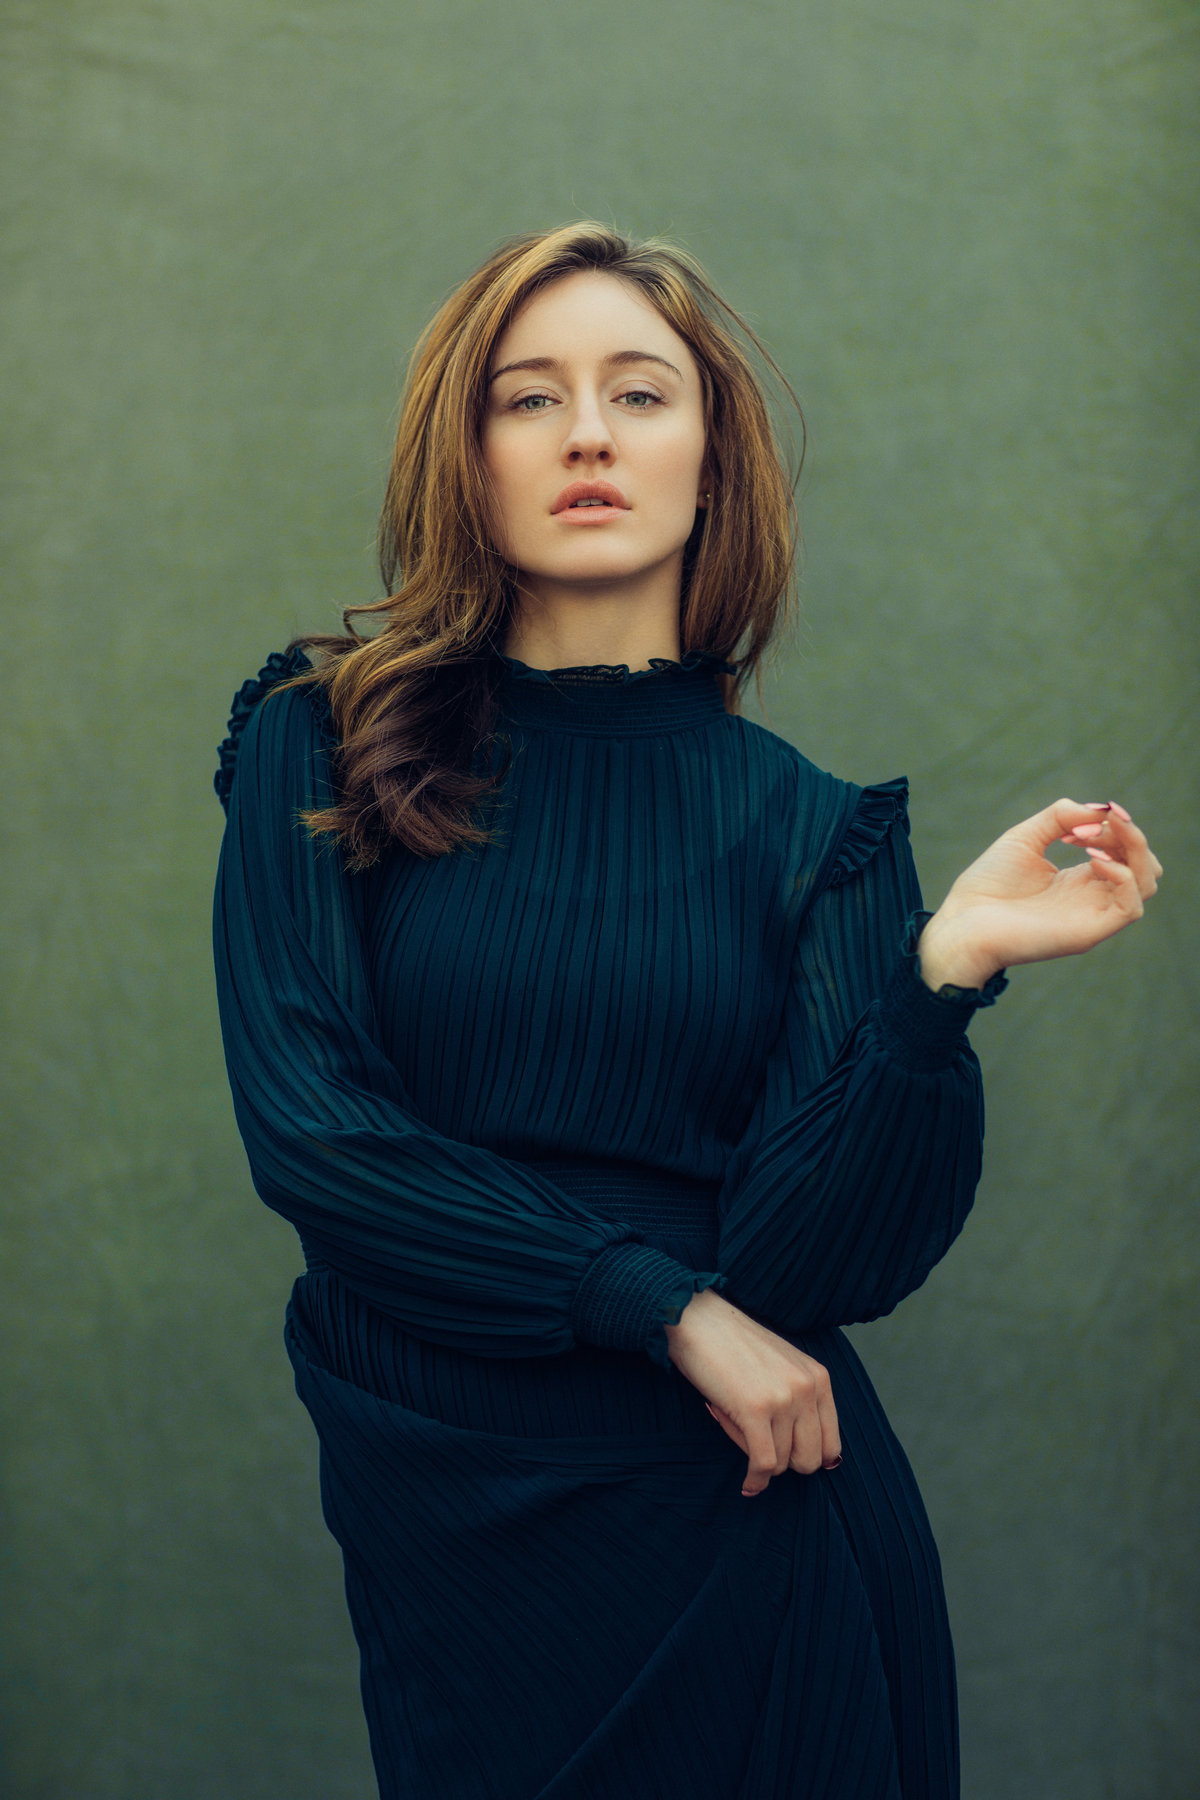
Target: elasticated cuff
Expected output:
[922,1029]
[628,1293]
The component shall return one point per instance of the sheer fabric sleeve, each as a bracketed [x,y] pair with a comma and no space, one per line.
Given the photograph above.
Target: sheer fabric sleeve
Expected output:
[459,1245]
[862,1163]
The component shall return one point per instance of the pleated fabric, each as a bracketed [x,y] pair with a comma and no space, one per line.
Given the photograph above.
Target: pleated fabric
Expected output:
[665,1032]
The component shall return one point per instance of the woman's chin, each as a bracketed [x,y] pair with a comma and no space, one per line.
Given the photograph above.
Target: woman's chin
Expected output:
[592,564]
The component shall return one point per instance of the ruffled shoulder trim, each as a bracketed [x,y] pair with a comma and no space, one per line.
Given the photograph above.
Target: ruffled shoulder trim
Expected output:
[281,665]
[878,808]
[616,674]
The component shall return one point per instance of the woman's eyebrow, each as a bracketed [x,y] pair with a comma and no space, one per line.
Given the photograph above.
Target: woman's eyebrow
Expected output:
[619,359]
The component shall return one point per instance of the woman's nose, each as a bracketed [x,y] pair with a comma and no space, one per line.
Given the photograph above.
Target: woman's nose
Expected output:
[588,438]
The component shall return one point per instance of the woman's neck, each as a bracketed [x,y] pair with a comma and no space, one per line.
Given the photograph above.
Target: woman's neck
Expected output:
[573,629]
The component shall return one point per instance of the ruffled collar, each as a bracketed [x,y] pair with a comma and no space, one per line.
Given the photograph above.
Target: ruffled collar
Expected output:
[611,699]
[619,674]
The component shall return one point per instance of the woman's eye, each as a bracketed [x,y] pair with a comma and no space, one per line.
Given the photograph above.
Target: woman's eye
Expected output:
[634,400]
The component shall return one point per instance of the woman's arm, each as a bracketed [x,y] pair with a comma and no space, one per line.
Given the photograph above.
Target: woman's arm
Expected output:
[460,1245]
[864,1161]
[864,1185]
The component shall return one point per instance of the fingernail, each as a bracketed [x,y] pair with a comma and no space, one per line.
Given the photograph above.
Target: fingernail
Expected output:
[1100,855]
[836,1464]
[748,1493]
[712,1409]
[1087,831]
[1097,805]
[1121,813]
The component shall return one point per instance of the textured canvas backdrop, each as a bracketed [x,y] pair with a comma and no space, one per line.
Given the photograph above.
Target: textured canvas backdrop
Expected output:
[969,233]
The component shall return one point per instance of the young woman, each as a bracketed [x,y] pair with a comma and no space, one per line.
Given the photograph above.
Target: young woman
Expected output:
[599,1049]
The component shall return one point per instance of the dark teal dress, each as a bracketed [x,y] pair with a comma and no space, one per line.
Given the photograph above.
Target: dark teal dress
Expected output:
[520,1102]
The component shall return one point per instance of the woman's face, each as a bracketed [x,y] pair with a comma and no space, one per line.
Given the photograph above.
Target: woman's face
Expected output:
[594,436]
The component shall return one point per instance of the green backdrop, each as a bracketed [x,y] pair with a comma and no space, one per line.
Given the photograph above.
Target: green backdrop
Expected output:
[969,233]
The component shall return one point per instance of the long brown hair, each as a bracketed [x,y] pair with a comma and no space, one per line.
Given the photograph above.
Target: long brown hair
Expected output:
[413,703]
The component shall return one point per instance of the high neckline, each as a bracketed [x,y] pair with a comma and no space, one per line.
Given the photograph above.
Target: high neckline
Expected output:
[613,700]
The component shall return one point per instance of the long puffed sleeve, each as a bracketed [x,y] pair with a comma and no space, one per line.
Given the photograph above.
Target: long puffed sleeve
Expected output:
[861,1165]
[459,1245]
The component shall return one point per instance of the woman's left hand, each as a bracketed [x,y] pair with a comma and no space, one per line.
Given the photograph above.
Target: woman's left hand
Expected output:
[1012,905]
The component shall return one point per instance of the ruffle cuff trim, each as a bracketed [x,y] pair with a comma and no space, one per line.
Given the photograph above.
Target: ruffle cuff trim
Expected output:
[878,809]
[629,1293]
[922,1029]
[281,665]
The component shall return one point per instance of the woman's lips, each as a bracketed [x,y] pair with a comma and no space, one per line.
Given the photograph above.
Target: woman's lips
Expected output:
[591,515]
[612,502]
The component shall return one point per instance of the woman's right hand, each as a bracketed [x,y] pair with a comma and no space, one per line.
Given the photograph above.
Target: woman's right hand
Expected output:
[775,1402]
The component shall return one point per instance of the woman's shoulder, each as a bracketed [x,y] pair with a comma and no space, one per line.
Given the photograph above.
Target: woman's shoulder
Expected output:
[281,666]
[844,822]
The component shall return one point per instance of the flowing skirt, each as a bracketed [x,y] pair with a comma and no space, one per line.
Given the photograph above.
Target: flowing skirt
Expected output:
[560,1593]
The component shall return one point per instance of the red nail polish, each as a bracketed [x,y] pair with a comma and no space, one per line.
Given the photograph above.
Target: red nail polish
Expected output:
[829,1467]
